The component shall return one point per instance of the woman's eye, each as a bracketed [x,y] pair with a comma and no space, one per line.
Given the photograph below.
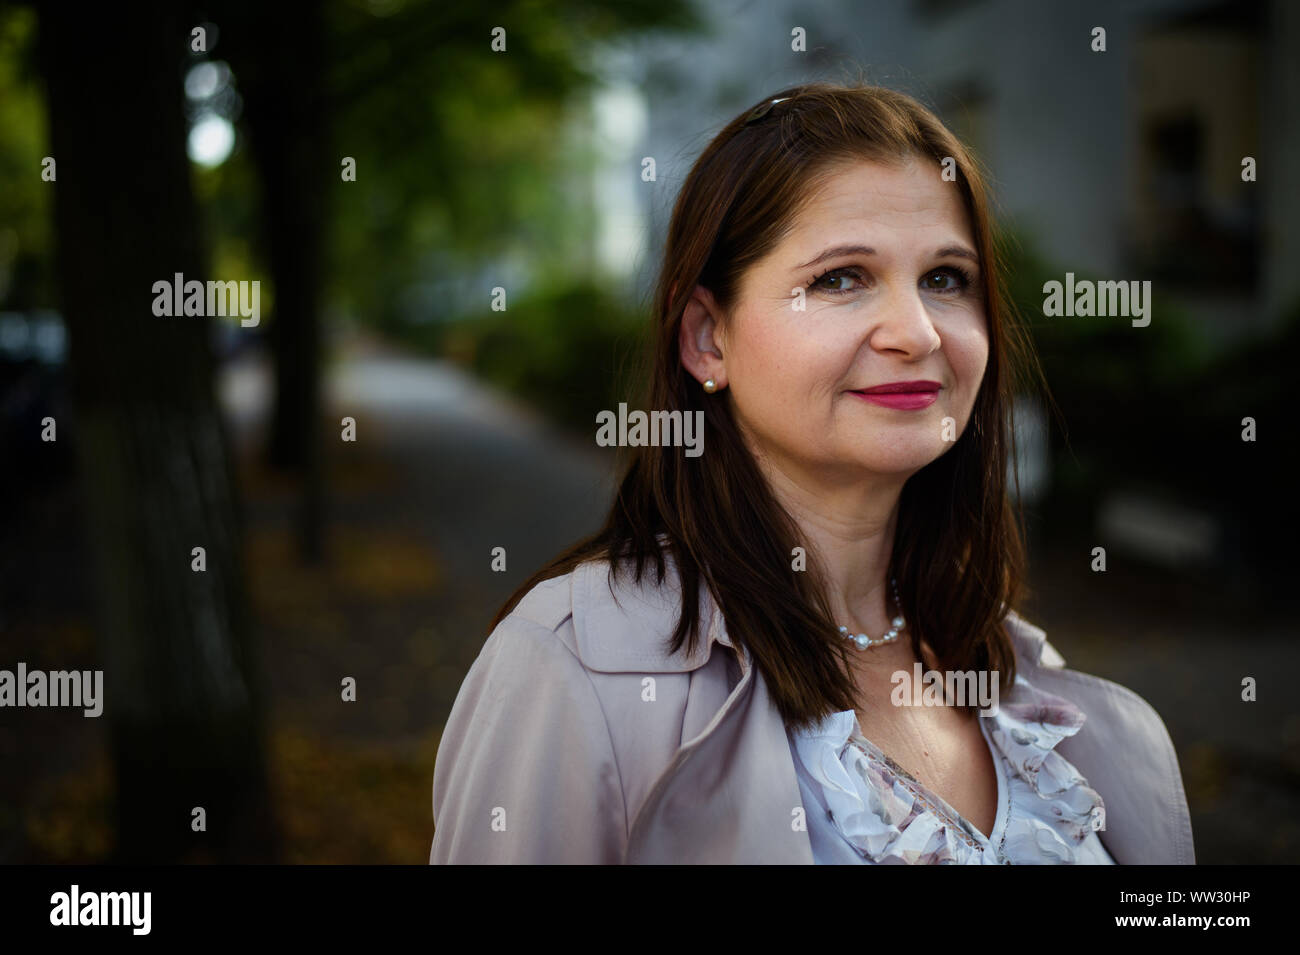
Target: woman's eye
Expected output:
[960,277]
[948,280]
[842,276]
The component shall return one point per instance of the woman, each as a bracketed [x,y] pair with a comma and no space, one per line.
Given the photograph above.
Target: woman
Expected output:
[831,302]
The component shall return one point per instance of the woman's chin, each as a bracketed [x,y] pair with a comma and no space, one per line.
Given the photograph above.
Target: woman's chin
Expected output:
[895,461]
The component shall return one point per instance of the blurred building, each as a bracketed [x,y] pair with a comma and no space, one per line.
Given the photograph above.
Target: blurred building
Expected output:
[1125,163]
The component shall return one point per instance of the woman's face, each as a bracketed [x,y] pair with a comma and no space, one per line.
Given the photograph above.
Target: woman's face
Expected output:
[894,308]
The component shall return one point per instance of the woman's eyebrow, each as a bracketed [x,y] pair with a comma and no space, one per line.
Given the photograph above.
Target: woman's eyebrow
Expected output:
[958,251]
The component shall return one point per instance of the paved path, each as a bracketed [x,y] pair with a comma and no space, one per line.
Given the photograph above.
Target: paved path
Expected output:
[456,467]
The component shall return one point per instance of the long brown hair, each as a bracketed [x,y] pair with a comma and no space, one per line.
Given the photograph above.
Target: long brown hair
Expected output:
[958,553]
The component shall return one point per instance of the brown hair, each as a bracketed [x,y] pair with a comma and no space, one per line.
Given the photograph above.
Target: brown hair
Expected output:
[958,554]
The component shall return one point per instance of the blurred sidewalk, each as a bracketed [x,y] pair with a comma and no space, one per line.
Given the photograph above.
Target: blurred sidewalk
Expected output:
[442,471]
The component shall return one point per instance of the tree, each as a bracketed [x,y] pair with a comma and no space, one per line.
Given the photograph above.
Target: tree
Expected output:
[280,62]
[180,682]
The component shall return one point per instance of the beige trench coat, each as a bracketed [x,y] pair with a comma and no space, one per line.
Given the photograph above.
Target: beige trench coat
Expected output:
[574,739]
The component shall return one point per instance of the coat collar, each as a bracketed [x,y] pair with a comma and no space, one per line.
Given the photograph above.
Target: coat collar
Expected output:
[629,633]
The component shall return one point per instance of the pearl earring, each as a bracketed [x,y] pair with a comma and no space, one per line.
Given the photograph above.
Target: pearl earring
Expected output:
[710,386]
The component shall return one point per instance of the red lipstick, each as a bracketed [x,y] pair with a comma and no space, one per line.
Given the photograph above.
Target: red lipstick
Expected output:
[902,395]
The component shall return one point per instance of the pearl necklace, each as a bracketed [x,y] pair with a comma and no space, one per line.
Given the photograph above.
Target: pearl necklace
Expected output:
[863,641]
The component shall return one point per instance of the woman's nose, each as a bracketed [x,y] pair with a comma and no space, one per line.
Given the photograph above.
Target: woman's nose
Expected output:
[903,324]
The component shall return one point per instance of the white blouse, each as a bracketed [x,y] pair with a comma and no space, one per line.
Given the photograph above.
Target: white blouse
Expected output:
[861,807]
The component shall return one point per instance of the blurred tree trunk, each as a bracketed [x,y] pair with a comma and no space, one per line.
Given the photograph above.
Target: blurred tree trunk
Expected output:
[279,65]
[181,686]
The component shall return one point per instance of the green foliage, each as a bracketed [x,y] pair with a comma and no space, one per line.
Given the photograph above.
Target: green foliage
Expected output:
[26,200]
[570,351]
[1160,407]
[464,153]
[1120,390]
[1251,481]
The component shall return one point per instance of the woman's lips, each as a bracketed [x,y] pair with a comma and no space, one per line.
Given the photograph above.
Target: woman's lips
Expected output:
[901,400]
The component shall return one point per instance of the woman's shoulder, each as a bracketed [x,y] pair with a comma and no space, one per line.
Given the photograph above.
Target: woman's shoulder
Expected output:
[527,697]
[1040,662]
[546,604]
[564,673]
[1124,750]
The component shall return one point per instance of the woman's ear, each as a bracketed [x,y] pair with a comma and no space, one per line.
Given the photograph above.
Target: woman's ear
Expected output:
[701,353]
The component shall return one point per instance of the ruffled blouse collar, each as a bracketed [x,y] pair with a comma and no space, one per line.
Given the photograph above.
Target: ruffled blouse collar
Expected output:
[891,818]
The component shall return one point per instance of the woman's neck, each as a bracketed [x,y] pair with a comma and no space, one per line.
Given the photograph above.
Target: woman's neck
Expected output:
[850,529]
